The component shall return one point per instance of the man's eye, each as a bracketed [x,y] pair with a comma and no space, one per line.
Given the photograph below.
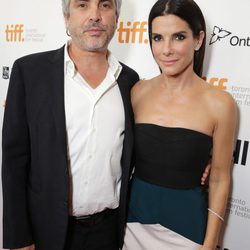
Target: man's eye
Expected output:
[106,5]
[82,5]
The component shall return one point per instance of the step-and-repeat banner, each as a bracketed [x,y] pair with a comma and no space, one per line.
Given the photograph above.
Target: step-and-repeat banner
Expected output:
[31,26]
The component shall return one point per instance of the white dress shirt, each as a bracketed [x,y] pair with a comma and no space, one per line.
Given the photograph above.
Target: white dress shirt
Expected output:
[95,124]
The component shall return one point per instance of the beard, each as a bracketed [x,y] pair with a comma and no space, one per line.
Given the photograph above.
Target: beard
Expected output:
[92,42]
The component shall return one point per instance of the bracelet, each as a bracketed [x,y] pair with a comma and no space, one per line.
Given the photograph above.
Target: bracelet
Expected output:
[217,215]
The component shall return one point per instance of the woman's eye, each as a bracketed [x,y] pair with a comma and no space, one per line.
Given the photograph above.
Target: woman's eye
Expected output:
[156,38]
[179,37]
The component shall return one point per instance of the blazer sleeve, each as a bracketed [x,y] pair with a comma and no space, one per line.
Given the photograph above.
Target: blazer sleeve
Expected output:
[15,165]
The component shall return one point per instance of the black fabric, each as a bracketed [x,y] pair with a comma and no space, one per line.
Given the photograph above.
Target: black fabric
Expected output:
[171,157]
[100,236]
[93,219]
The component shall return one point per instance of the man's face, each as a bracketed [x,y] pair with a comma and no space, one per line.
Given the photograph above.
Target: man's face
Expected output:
[91,23]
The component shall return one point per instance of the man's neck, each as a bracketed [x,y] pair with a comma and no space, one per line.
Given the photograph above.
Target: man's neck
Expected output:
[92,66]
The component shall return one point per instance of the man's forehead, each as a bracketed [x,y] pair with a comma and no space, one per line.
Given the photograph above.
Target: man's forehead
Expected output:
[112,1]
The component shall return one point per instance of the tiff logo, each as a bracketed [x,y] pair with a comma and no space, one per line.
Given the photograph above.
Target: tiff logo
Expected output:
[14,33]
[219,83]
[132,32]
[241,152]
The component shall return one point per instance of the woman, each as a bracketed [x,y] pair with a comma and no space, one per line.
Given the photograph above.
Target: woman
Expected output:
[180,122]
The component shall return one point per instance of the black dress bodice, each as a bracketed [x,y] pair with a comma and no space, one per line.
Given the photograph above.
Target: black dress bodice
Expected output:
[171,157]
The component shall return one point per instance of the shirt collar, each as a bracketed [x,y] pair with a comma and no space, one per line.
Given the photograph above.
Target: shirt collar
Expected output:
[114,66]
[69,67]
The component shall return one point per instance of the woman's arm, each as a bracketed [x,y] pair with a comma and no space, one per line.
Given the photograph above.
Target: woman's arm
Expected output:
[225,112]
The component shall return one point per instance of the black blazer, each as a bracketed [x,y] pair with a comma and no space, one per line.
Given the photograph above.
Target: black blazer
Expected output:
[34,166]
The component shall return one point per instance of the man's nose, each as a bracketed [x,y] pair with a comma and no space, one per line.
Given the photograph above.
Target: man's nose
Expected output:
[95,14]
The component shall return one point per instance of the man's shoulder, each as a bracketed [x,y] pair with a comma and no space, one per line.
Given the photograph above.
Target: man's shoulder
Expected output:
[129,71]
[40,57]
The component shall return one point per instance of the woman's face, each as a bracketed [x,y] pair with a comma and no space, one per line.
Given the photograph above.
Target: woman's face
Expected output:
[173,44]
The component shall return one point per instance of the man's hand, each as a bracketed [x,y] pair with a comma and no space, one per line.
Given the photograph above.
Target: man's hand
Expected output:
[205,175]
[31,247]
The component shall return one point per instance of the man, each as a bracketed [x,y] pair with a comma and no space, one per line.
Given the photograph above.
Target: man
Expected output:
[67,139]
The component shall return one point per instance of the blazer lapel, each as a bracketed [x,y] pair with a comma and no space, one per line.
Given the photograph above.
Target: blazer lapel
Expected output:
[128,140]
[57,96]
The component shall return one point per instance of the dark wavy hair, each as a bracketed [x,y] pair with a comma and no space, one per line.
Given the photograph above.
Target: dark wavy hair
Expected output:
[188,11]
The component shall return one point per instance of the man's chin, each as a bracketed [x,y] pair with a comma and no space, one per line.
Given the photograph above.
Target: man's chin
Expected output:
[98,47]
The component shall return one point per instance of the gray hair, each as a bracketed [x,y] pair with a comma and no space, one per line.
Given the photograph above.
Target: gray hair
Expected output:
[65,6]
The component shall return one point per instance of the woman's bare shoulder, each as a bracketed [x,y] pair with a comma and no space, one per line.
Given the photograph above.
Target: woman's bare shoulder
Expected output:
[218,97]
[220,101]
[140,90]
[142,86]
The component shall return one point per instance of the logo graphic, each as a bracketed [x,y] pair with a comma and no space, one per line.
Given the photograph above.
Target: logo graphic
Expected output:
[218,33]
[241,152]
[132,32]
[219,83]
[14,33]
[241,95]
[6,72]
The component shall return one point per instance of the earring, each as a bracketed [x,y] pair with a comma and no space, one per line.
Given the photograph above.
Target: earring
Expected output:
[67,32]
